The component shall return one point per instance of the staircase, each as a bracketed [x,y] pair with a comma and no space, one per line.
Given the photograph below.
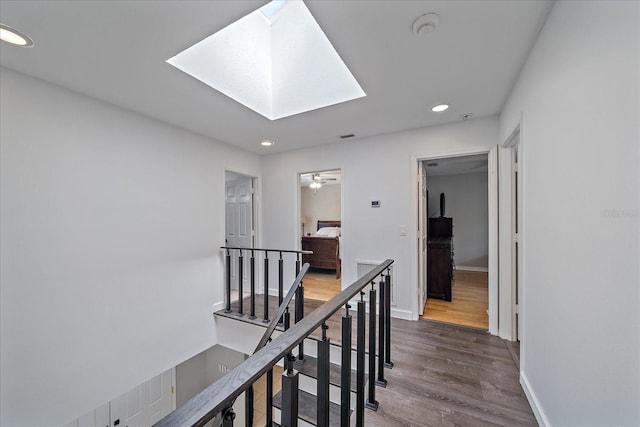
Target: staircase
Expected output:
[315,389]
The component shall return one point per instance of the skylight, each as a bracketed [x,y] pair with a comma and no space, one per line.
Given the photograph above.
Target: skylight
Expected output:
[275,61]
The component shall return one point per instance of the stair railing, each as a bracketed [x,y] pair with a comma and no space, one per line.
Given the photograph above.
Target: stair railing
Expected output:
[240,254]
[218,397]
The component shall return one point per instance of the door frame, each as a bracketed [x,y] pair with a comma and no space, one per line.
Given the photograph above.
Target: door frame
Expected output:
[493,235]
[510,274]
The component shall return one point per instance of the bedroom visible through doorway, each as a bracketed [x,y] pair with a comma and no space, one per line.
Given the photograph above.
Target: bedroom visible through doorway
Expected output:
[320,231]
[455,223]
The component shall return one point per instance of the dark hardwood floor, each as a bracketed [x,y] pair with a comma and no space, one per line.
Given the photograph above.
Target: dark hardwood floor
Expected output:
[444,375]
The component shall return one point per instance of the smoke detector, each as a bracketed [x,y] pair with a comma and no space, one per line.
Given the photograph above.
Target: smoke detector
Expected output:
[426,23]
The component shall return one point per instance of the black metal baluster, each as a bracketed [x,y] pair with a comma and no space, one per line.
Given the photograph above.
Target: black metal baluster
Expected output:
[345,370]
[265,317]
[322,381]
[280,281]
[360,363]
[269,397]
[287,319]
[240,280]
[227,306]
[387,298]
[227,417]
[248,407]
[289,409]
[299,307]
[372,403]
[380,381]
[252,265]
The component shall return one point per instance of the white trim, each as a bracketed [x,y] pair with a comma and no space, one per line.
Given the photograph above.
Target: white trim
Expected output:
[505,238]
[494,287]
[467,268]
[401,314]
[538,412]
[217,306]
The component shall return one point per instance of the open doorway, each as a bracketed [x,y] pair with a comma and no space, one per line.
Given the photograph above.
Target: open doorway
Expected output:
[240,230]
[321,230]
[454,216]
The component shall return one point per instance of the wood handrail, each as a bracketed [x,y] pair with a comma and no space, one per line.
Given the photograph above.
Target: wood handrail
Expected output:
[204,406]
[286,251]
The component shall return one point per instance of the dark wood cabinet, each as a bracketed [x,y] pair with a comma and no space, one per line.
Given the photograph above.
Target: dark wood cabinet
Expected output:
[440,268]
[440,258]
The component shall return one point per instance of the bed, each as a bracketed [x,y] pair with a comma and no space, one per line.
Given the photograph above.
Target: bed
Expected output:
[325,245]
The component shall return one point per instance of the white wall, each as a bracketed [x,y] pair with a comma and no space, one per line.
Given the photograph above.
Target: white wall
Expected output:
[110,228]
[323,204]
[579,98]
[466,201]
[197,373]
[377,168]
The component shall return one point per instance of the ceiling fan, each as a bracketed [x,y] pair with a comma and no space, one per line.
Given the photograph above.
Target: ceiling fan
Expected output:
[317,180]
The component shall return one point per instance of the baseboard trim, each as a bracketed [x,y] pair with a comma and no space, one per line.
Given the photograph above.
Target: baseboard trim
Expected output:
[466,268]
[401,314]
[217,306]
[533,401]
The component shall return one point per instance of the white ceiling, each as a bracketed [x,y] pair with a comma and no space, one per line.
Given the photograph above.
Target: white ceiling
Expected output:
[116,51]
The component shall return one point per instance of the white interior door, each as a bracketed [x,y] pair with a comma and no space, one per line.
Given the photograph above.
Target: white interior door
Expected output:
[161,396]
[141,406]
[239,221]
[146,404]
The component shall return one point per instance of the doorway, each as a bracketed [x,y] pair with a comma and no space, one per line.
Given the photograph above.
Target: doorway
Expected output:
[239,221]
[320,228]
[453,215]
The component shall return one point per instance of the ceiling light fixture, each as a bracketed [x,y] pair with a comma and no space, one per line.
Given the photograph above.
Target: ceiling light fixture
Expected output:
[15,37]
[426,23]
[316,182]
[439,108]
[267,143]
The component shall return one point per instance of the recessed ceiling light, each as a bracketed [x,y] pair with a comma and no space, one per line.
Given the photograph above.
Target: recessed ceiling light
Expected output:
[15,37]
[266,143]
[439,108]
[276,61]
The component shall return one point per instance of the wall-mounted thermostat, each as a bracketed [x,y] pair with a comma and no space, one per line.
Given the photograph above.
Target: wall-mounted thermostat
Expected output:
[375,203]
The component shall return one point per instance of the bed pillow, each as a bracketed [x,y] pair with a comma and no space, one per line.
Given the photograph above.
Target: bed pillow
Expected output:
[328,232]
